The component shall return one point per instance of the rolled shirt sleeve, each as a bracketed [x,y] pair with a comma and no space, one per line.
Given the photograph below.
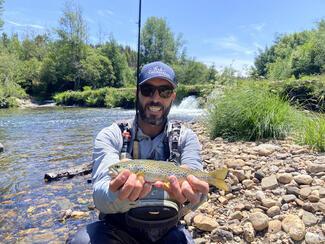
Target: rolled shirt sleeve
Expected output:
[107,147]
[190,149]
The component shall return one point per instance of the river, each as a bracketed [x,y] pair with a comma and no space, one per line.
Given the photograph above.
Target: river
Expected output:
[40,140]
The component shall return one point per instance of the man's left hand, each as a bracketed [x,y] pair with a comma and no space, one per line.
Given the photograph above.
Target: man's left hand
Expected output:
[190,189]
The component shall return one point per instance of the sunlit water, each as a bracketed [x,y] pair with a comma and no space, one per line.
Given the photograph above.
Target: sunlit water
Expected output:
[37,141]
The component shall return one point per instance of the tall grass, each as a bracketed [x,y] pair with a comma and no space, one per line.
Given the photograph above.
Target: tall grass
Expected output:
[248,111]
[311,131]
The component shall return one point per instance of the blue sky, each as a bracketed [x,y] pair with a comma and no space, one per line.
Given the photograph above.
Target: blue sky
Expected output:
[223,32]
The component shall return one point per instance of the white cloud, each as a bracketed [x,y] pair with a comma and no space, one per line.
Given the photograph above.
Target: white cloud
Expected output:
[257,27]
[105,12]
[239,64]
[24,25]
[229,43]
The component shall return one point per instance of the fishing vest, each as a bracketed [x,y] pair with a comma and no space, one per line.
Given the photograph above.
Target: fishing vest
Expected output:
[171,141]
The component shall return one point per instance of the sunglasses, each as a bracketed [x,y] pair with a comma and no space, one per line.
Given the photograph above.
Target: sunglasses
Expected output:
[149,91]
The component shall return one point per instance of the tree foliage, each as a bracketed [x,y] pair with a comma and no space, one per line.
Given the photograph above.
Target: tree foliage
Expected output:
[294,54]
[158,42]
[1,10]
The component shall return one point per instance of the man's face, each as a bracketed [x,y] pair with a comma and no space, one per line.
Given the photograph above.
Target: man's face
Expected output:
[154,108]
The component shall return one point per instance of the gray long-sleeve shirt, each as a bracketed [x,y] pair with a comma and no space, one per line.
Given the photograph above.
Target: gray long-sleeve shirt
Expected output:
[107,148]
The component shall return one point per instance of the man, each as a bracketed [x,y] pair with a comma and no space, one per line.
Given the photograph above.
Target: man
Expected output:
[117,198]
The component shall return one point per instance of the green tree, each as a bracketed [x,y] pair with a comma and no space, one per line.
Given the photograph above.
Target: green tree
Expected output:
[158,42]
[121,69]
[1,11]
[72,38]
[97,69]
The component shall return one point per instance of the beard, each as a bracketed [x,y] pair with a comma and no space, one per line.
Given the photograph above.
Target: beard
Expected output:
[154,119]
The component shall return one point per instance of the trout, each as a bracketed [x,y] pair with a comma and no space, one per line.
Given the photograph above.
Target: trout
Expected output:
[153,171]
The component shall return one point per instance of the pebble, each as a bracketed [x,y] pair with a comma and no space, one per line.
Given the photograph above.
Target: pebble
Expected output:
[249,233]
[259,220]
[309,219]
[269,182]
[274,226]
[312,238]
[1,148]
[284,178]
[294,226]
[273,211]
[204,223]
[303,179]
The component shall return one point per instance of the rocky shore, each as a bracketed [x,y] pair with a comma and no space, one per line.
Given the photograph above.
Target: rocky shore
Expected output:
[276,193]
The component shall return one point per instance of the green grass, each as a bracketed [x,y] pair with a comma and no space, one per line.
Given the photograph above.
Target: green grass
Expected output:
[248,111]
[311,131]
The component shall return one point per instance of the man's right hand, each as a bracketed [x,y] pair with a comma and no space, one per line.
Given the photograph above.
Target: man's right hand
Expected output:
[130,186]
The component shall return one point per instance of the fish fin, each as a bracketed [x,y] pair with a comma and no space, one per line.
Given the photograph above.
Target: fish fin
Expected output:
[140,175]
[167,185]
[217,178]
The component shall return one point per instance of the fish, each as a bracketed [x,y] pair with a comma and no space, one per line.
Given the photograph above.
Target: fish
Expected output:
[152,171]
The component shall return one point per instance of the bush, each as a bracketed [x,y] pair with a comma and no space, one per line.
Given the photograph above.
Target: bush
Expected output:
[308,92]
[249,112]
[312,132]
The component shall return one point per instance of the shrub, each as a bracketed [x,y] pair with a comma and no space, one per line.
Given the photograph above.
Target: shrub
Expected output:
[249,112]
[312,132]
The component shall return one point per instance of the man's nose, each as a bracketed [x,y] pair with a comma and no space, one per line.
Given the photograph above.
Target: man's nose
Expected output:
[156,95]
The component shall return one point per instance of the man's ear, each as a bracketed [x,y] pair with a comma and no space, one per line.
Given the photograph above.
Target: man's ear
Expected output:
[174,96]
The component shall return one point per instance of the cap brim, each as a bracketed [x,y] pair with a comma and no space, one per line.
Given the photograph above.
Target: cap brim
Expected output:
[160,77]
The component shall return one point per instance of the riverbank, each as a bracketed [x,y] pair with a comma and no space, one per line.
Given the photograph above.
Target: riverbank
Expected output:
[277,193]
[269,180]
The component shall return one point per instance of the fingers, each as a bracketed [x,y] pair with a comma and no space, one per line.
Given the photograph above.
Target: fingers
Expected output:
[189,193]
[175,190]
[145,190]
[198,185]
[119,181]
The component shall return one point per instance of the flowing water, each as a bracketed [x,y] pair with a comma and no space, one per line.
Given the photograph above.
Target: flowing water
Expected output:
[40,140]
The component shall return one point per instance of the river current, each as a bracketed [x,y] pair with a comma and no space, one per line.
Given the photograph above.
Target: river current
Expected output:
[40,140]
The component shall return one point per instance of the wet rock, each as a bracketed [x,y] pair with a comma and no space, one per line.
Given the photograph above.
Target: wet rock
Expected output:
[274,226]
[309,219]
[303,179]
[204,223]
[79,214]
[312,238]
[259,221]
[269,182]
[294,226]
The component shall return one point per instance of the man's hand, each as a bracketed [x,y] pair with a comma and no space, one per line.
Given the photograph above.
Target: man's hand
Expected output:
[129,186]
[190,189]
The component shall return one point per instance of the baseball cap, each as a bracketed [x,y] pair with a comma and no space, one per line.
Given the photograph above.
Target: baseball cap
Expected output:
[157,69]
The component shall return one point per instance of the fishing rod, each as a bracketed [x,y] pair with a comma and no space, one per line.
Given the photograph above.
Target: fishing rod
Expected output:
[136,141]
[138,61]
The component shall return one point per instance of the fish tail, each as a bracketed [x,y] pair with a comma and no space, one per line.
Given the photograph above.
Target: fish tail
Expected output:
[217,178]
